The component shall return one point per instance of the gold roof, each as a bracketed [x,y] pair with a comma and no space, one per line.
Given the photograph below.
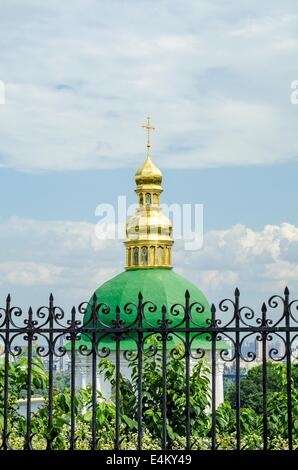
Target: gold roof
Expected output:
[148,232]
[148,173]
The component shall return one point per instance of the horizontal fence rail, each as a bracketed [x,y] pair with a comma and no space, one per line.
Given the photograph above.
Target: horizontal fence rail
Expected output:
[145,339]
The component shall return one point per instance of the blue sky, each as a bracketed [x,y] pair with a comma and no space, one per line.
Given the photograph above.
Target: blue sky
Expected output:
[81,76]
[230,195]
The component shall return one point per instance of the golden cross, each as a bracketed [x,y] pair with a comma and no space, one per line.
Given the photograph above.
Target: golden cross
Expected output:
[149,129]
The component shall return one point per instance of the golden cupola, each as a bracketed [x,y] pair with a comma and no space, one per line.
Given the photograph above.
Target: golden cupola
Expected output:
[148,232]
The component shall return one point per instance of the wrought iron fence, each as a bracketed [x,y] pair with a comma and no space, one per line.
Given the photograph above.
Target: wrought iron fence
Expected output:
[39,333]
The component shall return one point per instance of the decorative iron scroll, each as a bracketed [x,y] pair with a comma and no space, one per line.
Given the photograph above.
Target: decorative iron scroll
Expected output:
[96,332]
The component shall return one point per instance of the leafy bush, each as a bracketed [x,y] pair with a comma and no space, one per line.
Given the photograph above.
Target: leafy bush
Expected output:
[251,419]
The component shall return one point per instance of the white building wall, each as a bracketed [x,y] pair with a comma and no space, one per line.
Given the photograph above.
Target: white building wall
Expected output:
[84,374]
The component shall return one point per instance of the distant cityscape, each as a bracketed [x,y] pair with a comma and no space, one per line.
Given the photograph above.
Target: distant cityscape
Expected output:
[251,356]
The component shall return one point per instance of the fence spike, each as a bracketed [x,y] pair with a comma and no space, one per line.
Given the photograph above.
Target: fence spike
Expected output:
[286,291]
[140,296]
[8,298]
[51,298]
[187,294]
[237,292]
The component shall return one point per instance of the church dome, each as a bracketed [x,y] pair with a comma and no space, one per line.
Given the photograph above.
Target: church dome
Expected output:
[148,173]
[162,287]
[149,272]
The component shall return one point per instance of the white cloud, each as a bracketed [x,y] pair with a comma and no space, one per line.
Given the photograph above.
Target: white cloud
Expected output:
[81,76]
[259,262]
[28,274]
[64,257]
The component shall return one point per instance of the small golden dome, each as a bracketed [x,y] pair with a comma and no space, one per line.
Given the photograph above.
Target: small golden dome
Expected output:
[148,232]
[148,173]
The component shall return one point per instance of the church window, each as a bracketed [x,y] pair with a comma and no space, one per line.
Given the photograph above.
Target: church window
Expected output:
[144,255]
[141,199]
[152,255]
[129,256]
[148,199]
[159,255]
[136,255]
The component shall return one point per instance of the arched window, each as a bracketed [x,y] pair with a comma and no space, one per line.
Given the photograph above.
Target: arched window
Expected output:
[155,198]
[148,199]
[128,261]
[152,255]
[159,256]
[144,255]
[141,199]
[136,255]
[166,255]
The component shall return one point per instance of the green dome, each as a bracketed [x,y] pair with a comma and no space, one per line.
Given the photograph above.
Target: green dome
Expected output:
[159,286]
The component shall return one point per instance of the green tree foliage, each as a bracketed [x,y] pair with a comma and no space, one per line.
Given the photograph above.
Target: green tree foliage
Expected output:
[152,392]
[251,386]
[17,385]
[251,419]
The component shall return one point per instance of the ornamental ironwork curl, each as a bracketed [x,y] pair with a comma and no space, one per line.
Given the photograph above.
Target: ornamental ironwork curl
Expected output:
[246,313]
[15,312]
[14,350]
[177,310]
[225,308]
[3,317]
[273,353]
[131,355]
[97,311]
[148,307]
[199,309]
[250,356]
[196,353]
[290,307]
[149,349]
[276,301]
[131,308]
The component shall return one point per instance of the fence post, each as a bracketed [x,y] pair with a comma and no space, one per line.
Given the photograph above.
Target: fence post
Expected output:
[289,367]
[237,359]
[94,366]
[213,378]
[264,377]
[6,372]
[164,336]
[140,371]
[187,370]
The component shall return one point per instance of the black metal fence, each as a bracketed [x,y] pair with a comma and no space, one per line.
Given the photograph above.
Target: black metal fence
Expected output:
[101,326]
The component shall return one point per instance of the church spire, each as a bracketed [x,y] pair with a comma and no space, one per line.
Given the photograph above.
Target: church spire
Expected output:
[149,129]
[148,232]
